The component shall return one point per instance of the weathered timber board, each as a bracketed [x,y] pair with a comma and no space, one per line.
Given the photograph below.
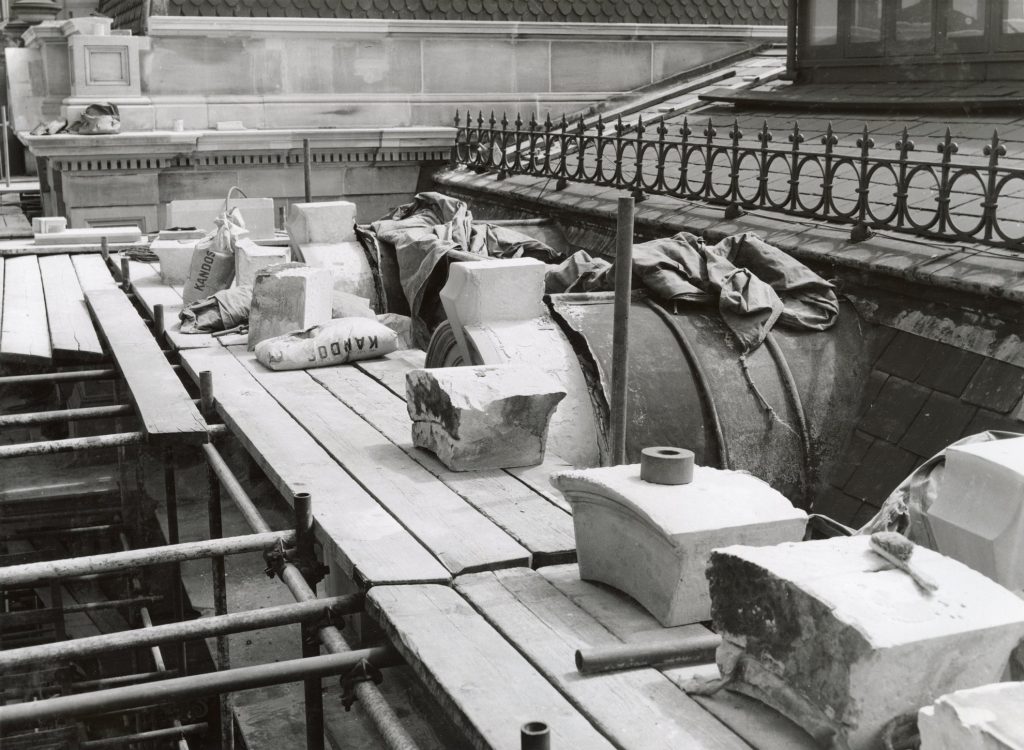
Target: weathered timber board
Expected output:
[72,334]
[365,539]
[164,406]
[484,685]
[760,726]
[151,291]
[11,249]
[24,332]
[93,272]
[638,708]
[546,531]
[14,225]
[455,532]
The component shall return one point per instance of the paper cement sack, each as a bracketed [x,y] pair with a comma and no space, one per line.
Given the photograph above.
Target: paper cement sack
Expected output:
[335,343]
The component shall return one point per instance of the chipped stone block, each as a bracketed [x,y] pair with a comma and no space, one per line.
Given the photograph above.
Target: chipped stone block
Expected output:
[175,256]
[835,638]
[288,297]
[47,224]
[346,261]
[251,258]
[326,222]
[978,516]
[990,717]
[652,541]
[488,417]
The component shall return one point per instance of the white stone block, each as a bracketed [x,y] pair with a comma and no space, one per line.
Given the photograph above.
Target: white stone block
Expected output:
[488,417]
[46,224]
[288,297]
[329,221]
[838,640]
[485,292]
[251,258]
[653,541]
[984,718]
[257,213]
[175,258]
[91,236]
[346,261]
[978,516]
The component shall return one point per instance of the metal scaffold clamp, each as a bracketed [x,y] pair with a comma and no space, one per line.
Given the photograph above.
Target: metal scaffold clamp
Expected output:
[364,671]
[277,556]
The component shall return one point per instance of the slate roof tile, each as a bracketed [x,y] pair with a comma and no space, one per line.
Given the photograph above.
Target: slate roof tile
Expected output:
[127,14]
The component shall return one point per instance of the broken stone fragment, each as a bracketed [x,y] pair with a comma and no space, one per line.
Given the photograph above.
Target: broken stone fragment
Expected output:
[652,541]
[288,297]
[487,417]
[835,638]
[985,718]
[978,516]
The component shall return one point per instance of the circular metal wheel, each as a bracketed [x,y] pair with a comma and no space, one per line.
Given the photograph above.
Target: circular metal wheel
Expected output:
[443,349]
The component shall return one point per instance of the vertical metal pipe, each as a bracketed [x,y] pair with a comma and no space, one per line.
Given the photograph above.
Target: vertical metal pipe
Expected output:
[126,275]
[6,147]
[220,605]
[206,395]
[792,10]
[312,688]
[535,735]
[160,666]
[173,537]
[307,169]
[105,249]
[158,323]
[620,334]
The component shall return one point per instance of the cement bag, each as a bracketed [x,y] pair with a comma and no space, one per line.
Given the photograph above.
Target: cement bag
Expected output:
[213,260]
[335,343]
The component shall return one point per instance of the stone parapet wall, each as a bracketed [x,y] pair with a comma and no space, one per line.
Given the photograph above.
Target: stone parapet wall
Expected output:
[301,72]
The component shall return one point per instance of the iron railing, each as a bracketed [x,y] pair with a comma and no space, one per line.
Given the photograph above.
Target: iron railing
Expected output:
[975,198]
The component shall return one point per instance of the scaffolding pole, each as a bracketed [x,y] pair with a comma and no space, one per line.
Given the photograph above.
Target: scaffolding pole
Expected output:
[193,686]
[73,567]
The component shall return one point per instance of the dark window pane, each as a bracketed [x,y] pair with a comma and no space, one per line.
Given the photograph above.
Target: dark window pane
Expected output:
[1013,16]
[866,25]
[965,18]
[823,17]
[914,20]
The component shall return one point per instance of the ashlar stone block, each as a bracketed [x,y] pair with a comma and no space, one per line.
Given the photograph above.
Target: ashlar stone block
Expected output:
[251,258]
[346,261]
[978,516]
[652,541]
[990,717]
[329,221]
[486,417]
[175,256]
[288,297]
[46,224]
[832,636]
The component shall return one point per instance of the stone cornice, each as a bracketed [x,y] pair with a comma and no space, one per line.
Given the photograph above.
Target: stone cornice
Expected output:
[169,26]
[160,149]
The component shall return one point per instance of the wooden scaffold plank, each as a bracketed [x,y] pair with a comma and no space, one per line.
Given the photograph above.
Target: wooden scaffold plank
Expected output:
[72,334]
[92,272]
[151,291]
[634,708]
[480,680]
[369,543]
[164,406]
[24,332]
[459,536]
[545,530]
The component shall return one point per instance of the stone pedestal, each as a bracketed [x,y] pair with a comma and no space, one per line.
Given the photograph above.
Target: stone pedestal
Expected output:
[251,258]
[978,516]
[288,297]
[482,417]
[323,234]
[652,541]
[257,213]
[835,638]
[497,314]
[984,718]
